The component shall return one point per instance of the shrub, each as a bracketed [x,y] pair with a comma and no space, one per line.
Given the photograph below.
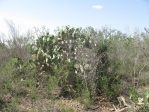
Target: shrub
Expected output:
[133,94]
[107,78]
[143,109]
[53,54]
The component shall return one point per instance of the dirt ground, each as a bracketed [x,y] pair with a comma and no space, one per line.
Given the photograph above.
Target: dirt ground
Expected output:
[57,106]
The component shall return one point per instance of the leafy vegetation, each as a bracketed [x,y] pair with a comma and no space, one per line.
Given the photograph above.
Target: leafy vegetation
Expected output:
[74,63]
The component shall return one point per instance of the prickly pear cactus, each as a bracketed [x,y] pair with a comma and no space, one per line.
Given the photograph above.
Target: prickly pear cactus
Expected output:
[50,50]
[46,52]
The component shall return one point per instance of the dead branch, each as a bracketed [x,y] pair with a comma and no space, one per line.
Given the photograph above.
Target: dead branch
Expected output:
[120,110]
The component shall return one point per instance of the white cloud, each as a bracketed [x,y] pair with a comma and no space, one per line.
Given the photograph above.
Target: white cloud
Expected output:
[98,7]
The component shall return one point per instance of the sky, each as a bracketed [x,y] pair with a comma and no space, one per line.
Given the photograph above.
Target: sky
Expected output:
[124,15]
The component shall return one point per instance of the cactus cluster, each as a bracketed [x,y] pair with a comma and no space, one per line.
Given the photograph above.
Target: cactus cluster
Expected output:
[52,50]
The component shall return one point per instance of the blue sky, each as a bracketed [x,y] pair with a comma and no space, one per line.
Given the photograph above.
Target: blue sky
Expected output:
[124,15]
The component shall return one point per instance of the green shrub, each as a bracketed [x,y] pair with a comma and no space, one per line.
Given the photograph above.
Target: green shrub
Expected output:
[72,85]
[143,109]
[85,98]
[55,53]
[11,107]
[108,80]
[67,110]
[134,95]
[146,97]
[3,104]
[53,88]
